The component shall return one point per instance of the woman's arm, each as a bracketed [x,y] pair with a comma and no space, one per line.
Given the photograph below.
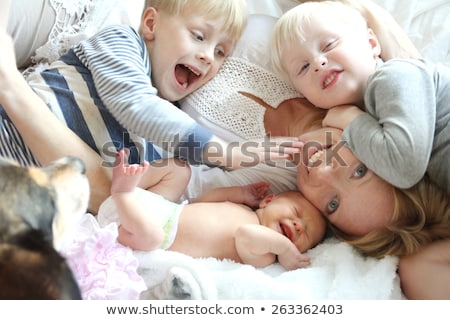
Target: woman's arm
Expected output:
[426,274]
[47,137]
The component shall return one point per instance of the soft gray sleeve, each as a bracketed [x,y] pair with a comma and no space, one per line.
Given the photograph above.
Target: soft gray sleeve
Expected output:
[395,137]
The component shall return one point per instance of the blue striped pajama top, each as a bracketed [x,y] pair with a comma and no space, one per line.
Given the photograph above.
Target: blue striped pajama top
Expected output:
[102,90]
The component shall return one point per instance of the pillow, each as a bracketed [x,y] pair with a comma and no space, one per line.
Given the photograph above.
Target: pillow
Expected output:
[28,29]
[44,29]
[274,8]
[253,45]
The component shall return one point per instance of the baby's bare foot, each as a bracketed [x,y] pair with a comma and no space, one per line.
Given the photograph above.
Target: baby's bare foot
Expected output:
[125,177]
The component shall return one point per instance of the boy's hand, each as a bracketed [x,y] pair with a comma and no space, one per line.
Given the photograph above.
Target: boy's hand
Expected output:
[341,116]
[250,153]
[292,259]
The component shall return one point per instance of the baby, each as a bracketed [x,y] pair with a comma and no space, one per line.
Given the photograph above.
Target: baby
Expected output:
[221,223]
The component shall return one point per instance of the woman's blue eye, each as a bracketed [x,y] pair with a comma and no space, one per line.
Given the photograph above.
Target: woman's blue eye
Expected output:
[332,206]
[361,171]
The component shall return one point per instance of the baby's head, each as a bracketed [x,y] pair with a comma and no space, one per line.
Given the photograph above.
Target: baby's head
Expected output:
[326,50]
[291,214]
[188,41]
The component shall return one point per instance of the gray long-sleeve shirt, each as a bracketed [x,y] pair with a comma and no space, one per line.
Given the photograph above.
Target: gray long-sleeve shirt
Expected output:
[406,130]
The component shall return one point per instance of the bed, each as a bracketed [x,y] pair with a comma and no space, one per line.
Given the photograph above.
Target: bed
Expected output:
[337,270]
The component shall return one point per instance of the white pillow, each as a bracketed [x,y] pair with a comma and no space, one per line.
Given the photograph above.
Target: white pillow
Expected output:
[254,43]
[44,29]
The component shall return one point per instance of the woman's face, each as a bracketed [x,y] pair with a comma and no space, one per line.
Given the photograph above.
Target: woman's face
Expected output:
[348,194]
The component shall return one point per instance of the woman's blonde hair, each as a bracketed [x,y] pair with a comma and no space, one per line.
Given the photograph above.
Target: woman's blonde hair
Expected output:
[421,216]
[233,12]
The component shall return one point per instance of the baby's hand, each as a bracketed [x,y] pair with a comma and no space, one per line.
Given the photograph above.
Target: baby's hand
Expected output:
[293,259]
[341,116]
[253,193]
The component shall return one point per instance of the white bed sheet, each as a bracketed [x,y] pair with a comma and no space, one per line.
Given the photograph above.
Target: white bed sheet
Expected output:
[425,22]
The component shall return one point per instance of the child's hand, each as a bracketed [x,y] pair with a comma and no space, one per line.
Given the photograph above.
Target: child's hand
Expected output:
[292,259]
[253,193]
[341,116]
[250,153]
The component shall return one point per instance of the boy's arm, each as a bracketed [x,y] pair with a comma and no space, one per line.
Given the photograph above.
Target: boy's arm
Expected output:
[260,246]
[395,138]
[242,154]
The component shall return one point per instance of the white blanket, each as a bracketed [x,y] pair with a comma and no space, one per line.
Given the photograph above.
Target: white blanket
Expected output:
[337,272]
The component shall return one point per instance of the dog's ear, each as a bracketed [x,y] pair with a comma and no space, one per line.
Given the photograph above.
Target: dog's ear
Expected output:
[68,179]
[24,203]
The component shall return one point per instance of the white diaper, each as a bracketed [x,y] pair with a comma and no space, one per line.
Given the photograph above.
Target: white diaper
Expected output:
[166,212]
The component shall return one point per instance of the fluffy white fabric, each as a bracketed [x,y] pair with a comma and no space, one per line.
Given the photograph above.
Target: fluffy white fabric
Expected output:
[337,272]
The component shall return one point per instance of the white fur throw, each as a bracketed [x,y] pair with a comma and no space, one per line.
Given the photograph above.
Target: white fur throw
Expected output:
[337,272]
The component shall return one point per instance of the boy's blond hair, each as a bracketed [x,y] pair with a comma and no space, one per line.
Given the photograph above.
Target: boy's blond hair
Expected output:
[290,27]
[233,12]
[421,216]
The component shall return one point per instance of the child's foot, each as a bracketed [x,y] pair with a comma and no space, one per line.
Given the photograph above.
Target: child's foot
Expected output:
[125,177]
[254,193]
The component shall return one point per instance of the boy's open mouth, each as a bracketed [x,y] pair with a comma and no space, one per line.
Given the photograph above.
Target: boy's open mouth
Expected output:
[186,75]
